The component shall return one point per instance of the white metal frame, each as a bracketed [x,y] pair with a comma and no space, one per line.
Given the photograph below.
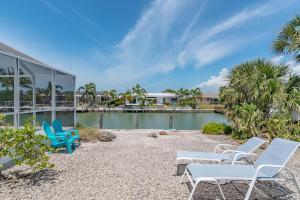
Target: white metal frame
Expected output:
[16,112]
[251,181]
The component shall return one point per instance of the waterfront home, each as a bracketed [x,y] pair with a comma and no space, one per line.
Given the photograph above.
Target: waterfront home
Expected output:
[157,99]
[209,98]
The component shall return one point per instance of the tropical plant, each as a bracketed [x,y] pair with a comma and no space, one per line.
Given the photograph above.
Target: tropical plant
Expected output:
[171,91]
[89,93]
[257,92]
[125,97]
[25,147]
[195,94]
[110,96]
[288,39]
[140,94]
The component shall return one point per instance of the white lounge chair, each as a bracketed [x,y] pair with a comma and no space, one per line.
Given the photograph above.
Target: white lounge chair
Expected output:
[243,150]
[265,168]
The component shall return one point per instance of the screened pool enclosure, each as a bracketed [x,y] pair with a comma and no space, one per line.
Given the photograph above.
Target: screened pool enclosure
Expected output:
[32,90]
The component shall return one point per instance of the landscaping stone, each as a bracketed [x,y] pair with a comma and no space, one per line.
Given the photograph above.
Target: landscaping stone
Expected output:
[163,133]
[106,136]
[154,135]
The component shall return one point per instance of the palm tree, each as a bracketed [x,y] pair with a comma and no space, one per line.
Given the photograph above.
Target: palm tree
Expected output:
[171,91]
[89,93]
[140,94]
[110,96]
[195,93]
[183,95]
[126,97]
[260,92]
[288,39]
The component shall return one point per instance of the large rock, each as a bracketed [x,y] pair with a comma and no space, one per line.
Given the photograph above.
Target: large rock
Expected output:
[106,136]
[163,133]
[154,135]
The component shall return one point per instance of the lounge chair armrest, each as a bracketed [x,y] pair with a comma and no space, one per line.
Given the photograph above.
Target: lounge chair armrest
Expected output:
[240,155]
[220,146]
[232,151]
[260,167]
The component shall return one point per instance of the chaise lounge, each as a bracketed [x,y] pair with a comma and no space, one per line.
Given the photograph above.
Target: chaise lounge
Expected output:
[266,168]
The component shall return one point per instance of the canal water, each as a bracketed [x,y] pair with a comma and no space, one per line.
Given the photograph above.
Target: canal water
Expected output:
[120,120]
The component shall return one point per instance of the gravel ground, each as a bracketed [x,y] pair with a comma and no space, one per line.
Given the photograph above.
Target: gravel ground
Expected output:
[133,166]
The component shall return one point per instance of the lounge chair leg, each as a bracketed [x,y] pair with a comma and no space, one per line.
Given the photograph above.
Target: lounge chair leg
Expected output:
[294,180]
[221,191]
[193,190]
[183,176]
[251,186]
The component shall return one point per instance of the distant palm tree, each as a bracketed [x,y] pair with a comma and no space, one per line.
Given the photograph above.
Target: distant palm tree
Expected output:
[110,96]
[195,93]
[183,95]
[89,93]
[140,94]
[126,96]
[288,39]
[171,91]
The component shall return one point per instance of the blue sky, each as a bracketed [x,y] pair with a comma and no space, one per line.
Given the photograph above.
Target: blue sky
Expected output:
[159,44]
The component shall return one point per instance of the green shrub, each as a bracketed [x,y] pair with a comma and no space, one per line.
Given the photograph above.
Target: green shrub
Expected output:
[227,129]
[25,147]
[213,128]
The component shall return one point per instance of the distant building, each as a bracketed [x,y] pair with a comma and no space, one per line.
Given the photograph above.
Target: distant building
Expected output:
[210,98]
[157,99]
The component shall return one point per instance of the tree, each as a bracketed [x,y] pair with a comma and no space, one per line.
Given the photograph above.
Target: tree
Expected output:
[195,93]
[288,39]
[183,95]
[126,97]
[259,91]
[140,94]
[89,93]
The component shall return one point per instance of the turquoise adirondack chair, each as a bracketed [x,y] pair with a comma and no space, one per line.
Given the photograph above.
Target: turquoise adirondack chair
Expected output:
[57,126]
[59,139]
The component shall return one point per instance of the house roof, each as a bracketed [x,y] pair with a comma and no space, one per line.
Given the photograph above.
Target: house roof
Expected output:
[211,95]
[160,95]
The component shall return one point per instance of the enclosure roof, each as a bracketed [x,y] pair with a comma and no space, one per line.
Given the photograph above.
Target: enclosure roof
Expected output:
[15,53]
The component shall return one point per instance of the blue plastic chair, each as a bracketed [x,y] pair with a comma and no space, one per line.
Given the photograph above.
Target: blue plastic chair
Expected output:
[57,126]
[59,139]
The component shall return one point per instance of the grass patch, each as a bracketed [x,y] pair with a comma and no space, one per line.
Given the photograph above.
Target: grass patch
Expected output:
[88,134]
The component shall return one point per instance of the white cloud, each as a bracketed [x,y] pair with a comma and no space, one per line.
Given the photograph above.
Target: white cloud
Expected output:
[277,59]
[290,61]
[166,36]
[151,47]
[215,82]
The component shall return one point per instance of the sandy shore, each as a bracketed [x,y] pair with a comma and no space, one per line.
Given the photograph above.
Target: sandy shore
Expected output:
[133,166]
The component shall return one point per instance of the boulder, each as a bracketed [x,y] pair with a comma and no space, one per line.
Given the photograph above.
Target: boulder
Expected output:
[154,135]
[163,133]
[106,136]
